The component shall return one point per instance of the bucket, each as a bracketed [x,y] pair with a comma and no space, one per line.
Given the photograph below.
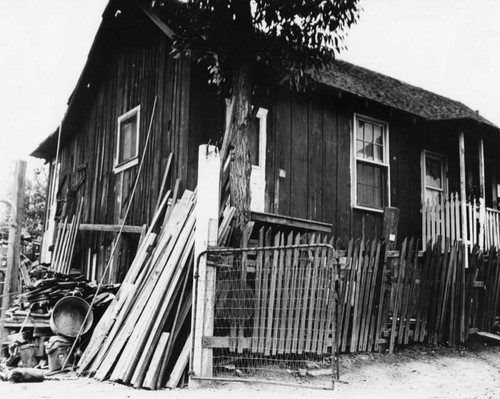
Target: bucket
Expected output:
[28,355]
[68,315]
[57,349]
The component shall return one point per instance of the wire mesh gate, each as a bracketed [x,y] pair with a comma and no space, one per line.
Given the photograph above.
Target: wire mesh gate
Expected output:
[274,314]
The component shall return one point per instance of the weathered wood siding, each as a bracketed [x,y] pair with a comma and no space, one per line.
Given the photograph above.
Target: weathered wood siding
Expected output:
[310,143]
[137,68]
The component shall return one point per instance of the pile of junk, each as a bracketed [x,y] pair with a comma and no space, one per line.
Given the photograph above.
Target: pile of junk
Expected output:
[50,322]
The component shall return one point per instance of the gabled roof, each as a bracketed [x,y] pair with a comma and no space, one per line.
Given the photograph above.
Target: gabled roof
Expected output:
[394,93]
[339,75]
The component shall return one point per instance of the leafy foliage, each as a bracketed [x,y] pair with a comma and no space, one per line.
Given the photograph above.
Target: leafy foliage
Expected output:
[281,39]
[34,203]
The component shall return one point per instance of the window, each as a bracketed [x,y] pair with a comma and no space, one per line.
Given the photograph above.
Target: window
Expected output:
[371,163]
[433,176]
[127,142]
[257,144]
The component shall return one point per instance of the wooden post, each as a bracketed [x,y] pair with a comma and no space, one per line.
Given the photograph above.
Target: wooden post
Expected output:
[390,226]
[11,279]
[461,154]
[207,211]
[482,200]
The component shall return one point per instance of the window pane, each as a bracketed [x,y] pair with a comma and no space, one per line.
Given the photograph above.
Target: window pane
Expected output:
[360,130]
[360,148]
[433,173]
[128,140]
[379,153]
[369,151]
[377,135]
[371,185]
[369,132]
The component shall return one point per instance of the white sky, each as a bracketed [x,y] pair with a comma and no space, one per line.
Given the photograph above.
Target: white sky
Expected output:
[451,47]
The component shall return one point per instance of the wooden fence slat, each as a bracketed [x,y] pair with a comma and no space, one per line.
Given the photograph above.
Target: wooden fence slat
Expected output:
[293,320]
[272,294]
[376,282]
[365,316]
[396,298]
[357,293]
[258,292]
[349,294]
[345,284]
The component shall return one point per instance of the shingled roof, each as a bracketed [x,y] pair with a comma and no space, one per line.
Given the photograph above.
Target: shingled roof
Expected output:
[394,93]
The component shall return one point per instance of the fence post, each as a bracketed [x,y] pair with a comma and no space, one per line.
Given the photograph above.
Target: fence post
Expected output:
[207,213]
[11,279]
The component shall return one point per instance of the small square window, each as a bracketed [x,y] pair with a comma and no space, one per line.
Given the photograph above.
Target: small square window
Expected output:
[127,143]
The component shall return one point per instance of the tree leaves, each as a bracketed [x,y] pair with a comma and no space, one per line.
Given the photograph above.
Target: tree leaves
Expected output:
[282,39]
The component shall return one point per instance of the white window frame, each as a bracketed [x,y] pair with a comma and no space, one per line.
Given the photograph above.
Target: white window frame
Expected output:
[257,200]
[444,172]
[354,158]
[120,167]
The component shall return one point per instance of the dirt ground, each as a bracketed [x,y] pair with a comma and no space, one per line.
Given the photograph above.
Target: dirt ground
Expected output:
[415,372]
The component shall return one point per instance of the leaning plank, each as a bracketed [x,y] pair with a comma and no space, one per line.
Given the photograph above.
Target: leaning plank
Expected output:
[152,319]
[155,361]
[150,334]
[145,283]
[180,365]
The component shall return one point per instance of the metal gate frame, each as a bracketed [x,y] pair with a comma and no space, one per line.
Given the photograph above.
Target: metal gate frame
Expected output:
[214,251]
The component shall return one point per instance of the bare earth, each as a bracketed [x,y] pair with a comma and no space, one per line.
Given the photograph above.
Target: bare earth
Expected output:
[417,372]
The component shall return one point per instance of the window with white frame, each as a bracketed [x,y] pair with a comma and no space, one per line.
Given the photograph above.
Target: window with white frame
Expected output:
[371,163]
[434,169]
[127,141]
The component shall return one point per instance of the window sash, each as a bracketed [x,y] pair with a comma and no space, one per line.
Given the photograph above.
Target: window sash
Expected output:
[370,188]
[127,140]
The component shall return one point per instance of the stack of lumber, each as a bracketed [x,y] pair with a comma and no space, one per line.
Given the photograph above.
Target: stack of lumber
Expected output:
[144,337]
[65,242]
[38,300]
[139,323]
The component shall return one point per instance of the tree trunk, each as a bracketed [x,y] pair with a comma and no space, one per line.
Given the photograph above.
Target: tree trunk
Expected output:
[240,157]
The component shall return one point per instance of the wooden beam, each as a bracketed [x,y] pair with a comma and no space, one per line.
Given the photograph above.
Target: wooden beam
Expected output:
[207,213]
[289,221]
[110,228]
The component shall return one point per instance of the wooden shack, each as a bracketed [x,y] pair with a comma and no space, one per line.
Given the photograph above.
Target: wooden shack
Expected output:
[329,160]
